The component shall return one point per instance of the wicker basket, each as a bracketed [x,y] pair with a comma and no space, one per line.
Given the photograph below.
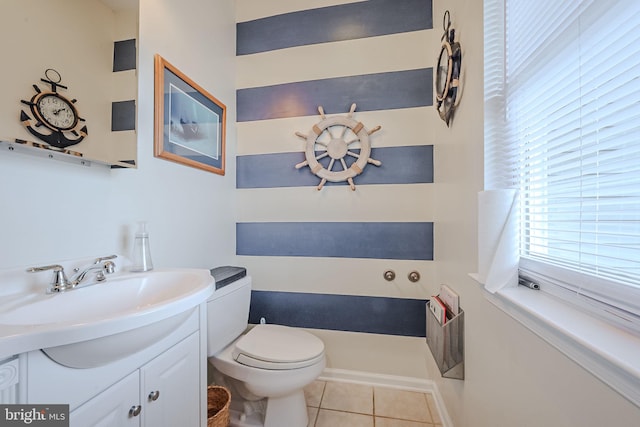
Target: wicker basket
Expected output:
[218,399]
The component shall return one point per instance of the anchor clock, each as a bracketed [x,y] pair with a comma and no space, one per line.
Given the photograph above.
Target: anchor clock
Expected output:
[55,117]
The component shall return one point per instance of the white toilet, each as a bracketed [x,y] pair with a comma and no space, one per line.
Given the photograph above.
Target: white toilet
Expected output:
[266,368]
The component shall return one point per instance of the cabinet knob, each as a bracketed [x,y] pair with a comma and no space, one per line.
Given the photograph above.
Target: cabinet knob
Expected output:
[154,395]
[135,411]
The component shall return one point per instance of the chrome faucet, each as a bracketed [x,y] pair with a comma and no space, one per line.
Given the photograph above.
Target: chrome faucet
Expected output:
[60,283]
[101,265]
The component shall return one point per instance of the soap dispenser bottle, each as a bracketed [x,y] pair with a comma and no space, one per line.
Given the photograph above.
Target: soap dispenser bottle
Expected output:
[141,255]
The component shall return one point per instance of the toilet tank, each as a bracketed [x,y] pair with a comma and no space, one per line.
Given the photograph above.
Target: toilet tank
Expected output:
[227,314]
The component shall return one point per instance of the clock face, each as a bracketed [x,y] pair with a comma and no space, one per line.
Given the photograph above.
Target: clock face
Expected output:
[56,112]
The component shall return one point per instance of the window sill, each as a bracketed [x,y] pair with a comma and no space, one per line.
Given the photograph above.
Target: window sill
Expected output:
[609,353]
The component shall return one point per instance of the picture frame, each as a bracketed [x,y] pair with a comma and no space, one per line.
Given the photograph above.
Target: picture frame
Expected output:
[189,122]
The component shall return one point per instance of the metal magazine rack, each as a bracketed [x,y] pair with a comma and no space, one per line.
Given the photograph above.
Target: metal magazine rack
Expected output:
[446,343]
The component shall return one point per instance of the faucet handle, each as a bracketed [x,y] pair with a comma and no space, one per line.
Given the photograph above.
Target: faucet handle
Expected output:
[59,282]
[108,266]
[105,258]
[55,267]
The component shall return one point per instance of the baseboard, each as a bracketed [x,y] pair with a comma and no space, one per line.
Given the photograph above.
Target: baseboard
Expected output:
[390,381]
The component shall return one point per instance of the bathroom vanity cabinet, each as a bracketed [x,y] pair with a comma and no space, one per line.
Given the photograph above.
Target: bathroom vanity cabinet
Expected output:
[163,385]
[161,393]
[116,406]
[131,351]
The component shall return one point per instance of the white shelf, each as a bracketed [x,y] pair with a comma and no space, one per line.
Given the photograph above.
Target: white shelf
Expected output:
[64,155]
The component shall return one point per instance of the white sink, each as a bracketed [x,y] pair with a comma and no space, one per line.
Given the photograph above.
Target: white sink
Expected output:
[123,314]
[131,294]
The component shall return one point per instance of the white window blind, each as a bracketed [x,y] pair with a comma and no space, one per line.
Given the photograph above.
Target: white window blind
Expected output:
[562,109]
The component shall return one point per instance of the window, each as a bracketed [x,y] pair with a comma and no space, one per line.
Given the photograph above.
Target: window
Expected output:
[562,125]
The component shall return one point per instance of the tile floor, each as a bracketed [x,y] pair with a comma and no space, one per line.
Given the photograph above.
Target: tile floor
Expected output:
[341,404]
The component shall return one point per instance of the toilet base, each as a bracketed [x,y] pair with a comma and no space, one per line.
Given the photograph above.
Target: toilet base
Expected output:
[237,420]
[290,411]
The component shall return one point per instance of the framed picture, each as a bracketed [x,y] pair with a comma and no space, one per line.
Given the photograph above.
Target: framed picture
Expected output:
[189,121]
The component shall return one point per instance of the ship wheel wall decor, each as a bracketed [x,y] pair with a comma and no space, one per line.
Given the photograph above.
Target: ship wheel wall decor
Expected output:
[448,70]
[331,138]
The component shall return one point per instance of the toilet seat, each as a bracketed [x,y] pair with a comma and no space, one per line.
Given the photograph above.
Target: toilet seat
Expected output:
[278,347]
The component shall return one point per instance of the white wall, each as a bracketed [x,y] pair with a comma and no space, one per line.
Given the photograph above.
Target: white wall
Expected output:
[190,212]
[55,211]
[513,378]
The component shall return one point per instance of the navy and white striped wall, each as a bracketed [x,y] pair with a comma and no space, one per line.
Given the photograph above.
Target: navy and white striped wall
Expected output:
[123,112]
[334,23]
[287,70]
[400,165]
[351,313]
[379,91]
[377,240]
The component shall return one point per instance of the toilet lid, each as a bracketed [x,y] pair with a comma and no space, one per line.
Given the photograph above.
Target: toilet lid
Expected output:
[278,347]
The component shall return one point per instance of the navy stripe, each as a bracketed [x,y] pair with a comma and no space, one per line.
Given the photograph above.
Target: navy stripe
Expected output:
[131,162]
[378,240]
[371,92]
[333,23]
[376,315]
[124,55]
[123,115]
[400,165]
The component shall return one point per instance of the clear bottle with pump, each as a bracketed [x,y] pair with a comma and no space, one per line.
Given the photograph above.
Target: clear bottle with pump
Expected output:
[141,255]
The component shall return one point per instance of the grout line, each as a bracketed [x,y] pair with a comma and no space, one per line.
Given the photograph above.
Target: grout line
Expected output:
[373,397]
[324,388]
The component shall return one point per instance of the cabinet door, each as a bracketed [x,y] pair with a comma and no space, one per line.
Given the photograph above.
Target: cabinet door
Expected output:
[170,386]
[115,407]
